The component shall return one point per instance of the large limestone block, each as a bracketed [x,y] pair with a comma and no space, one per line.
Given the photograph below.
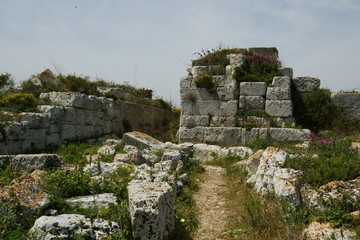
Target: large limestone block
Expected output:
[17,131]
[36,161]
[193,94]
[65,226]
[226,93]
[141,140]
[225,80]
[228,108]
[223,135]
[56,113]
[151,210]
[253,88]
[36,120]
[289,134]
[201,107]
[237,59]
[279,108]
[194,121]
[187,82]
[195,135]
[306,84]
[68,132]
[198,70]
[286,71]
[254,102]
[52,139]
[251,135]
[278,93]
[282,82]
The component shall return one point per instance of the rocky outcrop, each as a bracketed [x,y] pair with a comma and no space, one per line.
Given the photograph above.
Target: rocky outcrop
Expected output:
[324,231]
[65,226]
[151,209]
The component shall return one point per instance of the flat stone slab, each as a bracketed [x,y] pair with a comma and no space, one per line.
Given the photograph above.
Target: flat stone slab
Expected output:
[141,140]
[36,161]
[94,202]
[151,209]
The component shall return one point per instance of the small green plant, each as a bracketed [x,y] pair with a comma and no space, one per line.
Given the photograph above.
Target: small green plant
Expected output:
[204,81]
[19,102]
[7,175]
[250,124]
[216,56]
[73,83]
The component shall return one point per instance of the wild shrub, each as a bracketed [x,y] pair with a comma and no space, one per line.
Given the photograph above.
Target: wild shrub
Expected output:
[73,83]
[315,111]
[204,81]
[6,80]
[19,102]
[76,153]
[214,57]
[336,161]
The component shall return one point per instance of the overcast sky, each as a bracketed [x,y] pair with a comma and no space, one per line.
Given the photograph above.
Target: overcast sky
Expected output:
[150,43]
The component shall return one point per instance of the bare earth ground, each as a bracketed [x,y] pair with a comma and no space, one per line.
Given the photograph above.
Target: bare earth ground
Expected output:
[210,202]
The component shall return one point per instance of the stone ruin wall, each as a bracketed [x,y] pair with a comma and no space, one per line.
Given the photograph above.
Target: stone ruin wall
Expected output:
[78,117]
[237,113]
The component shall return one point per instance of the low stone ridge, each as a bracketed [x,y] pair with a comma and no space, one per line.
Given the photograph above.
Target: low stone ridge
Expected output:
[65,226]
[36,161]
[151,209]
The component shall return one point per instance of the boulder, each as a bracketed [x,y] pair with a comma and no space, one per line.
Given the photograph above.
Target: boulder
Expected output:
[65,226]
[94,202]
[47,77]
[141,140]
[271,160]
[324,231]
[151,210]
[25,191]
[287,185]
[36,161]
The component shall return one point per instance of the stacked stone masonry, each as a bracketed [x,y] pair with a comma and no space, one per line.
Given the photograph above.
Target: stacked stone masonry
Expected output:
[78,117]
[237,113]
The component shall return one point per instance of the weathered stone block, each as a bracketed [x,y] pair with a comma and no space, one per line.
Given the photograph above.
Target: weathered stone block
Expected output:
[251,135]
[223,135]
[38,136]
[52,139]
[187,82]
[278,93]
[94,202]
[283,122]
[18,130]
[306,84]
[195,135]
[225,93]
[198,70]
[260,121]
[237,59]
[224,81]
[242,102]
[289,134]
[194,121]
[229,108]
[36,161]
[279,108]
[282,81]
[200,107]
[68,132]
[254,102]
[36,120]
[346,100]
[151,210]
[286,71]
[253,88]
[141,140]
[193,94]
[56,113]
[264,133]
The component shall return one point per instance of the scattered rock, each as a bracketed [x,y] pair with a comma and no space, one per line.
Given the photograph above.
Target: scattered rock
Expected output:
[287,184]
[141,140]
[36,161]
[25,191]
[324,231]
[65,226]
[94,202]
